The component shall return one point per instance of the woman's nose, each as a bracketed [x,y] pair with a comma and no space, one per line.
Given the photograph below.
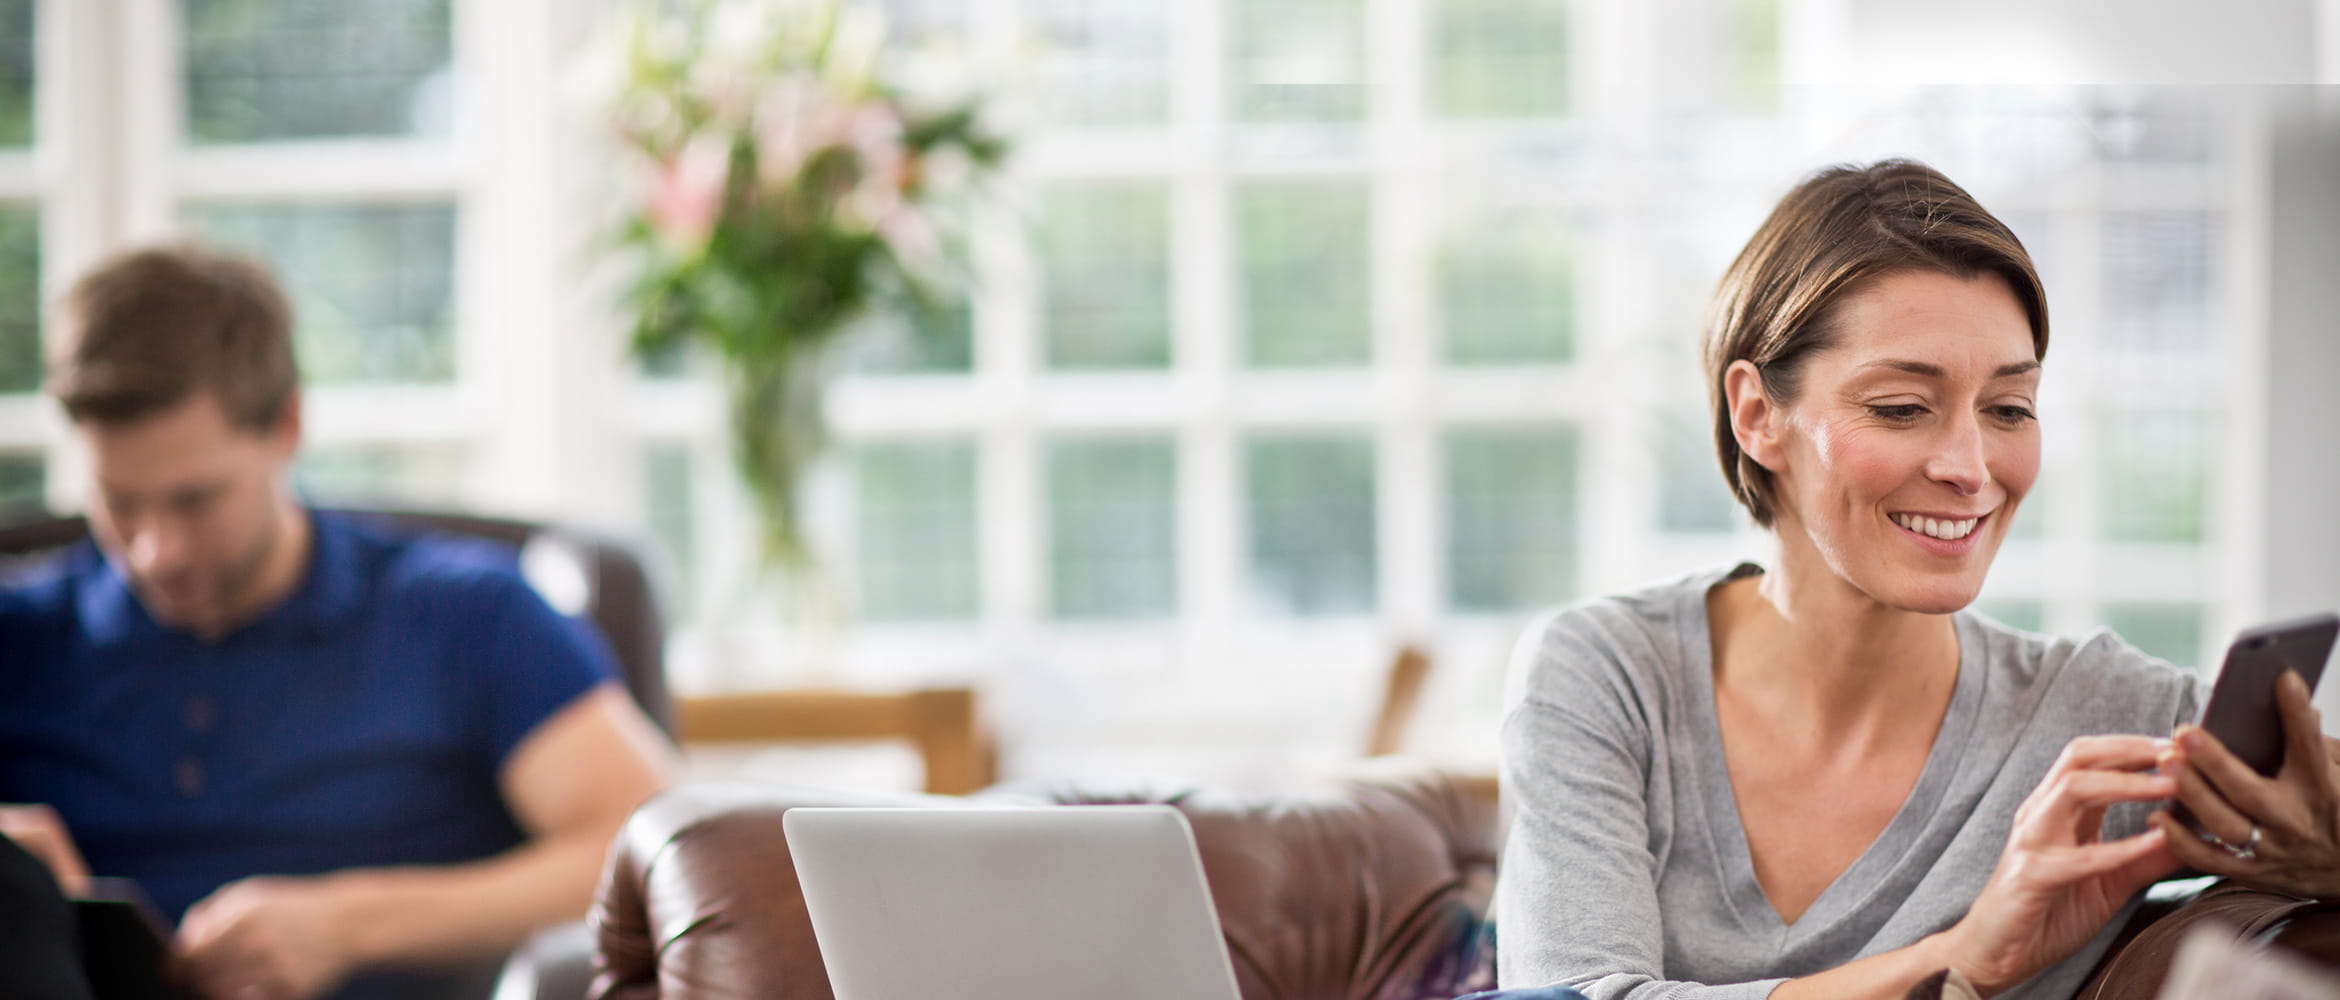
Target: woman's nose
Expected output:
[1958,460]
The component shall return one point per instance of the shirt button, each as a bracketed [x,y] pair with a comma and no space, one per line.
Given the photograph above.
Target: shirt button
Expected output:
[188,776]
[199,713]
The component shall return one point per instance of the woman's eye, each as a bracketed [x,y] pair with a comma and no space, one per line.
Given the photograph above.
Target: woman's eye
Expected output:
[2013,414]
[1900,413]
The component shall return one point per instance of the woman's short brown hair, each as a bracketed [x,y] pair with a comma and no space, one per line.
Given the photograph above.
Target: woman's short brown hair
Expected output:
[1841,229]
[149,329]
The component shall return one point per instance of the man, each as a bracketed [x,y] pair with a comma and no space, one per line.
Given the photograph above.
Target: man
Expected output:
[335,754]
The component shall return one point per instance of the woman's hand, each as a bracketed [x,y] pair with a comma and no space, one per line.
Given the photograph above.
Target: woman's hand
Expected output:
[2058,882]
[2280,833]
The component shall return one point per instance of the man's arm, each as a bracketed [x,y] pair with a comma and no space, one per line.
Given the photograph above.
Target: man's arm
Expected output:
[571,782]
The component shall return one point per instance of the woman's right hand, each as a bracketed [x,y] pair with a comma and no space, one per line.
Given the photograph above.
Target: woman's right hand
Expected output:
[2057,882]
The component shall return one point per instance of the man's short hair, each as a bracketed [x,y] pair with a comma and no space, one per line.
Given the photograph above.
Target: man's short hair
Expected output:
[150,329]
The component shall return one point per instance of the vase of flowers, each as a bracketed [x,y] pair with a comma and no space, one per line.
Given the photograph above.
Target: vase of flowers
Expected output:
[787,182]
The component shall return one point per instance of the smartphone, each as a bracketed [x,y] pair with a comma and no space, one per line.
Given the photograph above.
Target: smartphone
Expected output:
[2242,711]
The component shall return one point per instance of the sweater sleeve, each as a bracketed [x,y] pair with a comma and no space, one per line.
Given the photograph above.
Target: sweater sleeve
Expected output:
[1578,899]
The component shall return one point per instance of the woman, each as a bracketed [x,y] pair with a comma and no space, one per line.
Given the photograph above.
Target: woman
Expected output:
[1823,778]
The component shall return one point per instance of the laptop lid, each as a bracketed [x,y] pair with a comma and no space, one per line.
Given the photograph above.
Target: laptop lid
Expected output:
[1009,904]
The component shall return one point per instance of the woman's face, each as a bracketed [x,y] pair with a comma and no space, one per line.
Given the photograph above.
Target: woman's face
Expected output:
[1912,439]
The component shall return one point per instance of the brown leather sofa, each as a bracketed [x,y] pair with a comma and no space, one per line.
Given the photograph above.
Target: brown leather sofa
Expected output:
[1368,888]
[1375,887]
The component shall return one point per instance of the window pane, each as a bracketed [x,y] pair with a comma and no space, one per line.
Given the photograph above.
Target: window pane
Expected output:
[373,285]
[916,532]
[1106,252]
[925,25]
[1692,497]
[1751,62]
[2157,283]
[1505,290]
[1304,274]
[260,70]
[666,475]
[1510,517]
[16,72]
[24,483]
[2028,615]
[2155,476]
[20,299]
[1107,62]
[1112,529]
[1298,60]
[1312,524]
[2031,515]
[1500,59]
[379,475]
[937,341]
[2170,631]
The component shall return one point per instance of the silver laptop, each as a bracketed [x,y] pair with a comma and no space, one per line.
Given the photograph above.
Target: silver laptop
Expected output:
[1010,904]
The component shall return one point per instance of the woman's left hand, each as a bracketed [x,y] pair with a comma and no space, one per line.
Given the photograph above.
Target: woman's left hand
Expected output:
[2280,833]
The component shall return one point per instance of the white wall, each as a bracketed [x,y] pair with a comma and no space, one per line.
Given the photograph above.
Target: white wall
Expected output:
[2298,529]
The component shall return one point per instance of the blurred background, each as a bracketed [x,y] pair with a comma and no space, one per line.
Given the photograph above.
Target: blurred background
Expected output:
[1307,328]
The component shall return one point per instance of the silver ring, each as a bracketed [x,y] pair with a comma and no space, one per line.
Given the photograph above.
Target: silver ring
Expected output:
[2248,849]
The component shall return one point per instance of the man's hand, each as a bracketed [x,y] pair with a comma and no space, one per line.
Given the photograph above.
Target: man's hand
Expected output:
[268,938]
[41,832]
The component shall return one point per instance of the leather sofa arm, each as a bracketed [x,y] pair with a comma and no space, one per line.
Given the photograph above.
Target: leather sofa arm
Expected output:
[2141,959]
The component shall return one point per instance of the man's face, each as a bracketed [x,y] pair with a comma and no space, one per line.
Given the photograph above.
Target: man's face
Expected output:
[188,507]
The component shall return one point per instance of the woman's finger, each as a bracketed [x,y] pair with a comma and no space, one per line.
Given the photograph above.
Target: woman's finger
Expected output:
[2065,866]
[2304,756]
[2212,813]
[2117,752]
[2192,851]
[2251,793]
[2051,816]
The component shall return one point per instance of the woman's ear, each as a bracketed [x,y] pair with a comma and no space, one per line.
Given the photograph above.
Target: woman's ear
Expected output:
[1754,420]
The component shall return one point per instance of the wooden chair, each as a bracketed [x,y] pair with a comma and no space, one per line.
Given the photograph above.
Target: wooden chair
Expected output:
[1401,695]
[940,722]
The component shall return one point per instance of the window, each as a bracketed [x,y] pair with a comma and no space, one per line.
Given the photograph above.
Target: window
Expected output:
[1311,509]
[1304,274]
[915,530]
[1106,62]
[1112,528]
[1510,518]
[372,285]
[2170,630]
[23,484]
[1500,59]
[1506,292]
[1107,251]
[20,299]
[1299,60]
[271,70]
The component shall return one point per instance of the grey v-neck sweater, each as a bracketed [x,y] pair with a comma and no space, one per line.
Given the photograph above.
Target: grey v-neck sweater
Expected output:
[1626,872]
